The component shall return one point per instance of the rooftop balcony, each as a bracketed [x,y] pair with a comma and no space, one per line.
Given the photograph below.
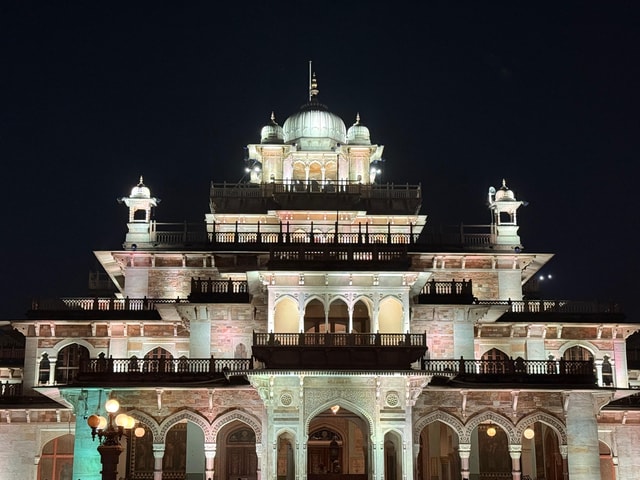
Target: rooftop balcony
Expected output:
[377,199]
[564,311]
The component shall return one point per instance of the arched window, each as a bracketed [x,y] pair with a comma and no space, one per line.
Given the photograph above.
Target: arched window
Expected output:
[495,361]
[56,459]
[158,360]
[577,353]
[68,363]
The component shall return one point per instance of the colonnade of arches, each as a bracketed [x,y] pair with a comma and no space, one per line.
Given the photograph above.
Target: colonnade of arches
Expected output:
[340,442]
[339,314]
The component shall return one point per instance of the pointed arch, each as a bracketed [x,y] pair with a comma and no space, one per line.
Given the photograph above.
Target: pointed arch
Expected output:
[493,417]
[543,417]
[590,347]
[149,422]
[178,417]
[342,403]
[53,351]
[232,416]
[437,416]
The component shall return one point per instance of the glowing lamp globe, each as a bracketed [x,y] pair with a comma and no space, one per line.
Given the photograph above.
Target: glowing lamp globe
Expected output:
[491,431]
[121,420]
[112,406]
[529,433]
[139,432]
[130,423]
[102,422]
[93,421]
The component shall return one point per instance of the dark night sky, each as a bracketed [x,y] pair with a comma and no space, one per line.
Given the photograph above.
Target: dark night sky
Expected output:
[95,94]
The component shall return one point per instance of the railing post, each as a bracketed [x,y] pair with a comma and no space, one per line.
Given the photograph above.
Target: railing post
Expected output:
[461,368]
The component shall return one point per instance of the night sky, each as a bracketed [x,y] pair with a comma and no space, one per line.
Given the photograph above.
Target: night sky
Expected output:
[94,94]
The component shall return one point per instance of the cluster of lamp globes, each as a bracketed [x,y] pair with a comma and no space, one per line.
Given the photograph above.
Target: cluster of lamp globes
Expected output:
[112,429]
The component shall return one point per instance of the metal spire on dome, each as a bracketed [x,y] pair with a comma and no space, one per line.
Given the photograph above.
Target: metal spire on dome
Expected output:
[140,182]
[357,119]
[273,118]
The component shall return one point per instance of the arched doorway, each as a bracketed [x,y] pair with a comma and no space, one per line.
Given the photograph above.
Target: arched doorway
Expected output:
[438,456]
[489,452]
[68,362]
[286,316]
[337,444]
[541,453]
[390,317]
[286,469]
[495,361]
[56,459]
[236,457]
[392,456]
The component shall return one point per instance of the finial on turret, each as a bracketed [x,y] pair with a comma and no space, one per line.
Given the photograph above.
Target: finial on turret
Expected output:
[357,119]
[140,182]
[504,183]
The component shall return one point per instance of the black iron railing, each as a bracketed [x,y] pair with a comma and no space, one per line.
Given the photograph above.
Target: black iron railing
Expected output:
[340,339]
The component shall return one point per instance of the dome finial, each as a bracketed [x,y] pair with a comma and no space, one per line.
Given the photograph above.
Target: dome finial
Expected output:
[357,119]
[313,87]
[504,183]
[141,182]
[273,116]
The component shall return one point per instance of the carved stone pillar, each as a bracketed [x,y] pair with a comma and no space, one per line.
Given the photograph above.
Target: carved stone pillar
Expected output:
[464,450]
[515,451]
[564,449]
[582,437]
[158,454]
[52,371]
[209,459]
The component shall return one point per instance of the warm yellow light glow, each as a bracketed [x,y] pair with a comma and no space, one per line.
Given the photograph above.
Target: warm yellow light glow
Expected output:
[529,433]
[121,419]
[491,431]
[139,432]
[112,406]
[335,409]
[131,422]
[93,421]
[102,424]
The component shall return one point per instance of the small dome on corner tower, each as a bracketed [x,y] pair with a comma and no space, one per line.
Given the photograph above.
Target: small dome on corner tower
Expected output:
[504,194]
[272,132]
[358,134]
[140,190]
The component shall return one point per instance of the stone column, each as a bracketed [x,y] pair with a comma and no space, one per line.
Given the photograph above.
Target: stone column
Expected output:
[209,458]
[582,437]
[598,364]
[52,371]
[565,467]
[416,453]
[464,450]
[260,461]
[515,451]
[158,454]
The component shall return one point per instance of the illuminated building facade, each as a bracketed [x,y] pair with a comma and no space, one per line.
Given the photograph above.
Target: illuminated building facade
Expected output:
[313,327]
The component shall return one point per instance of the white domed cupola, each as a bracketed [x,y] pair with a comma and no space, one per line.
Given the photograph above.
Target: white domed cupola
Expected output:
[140,190]
[358,134]
[272,132]
[314,127]
[504,194]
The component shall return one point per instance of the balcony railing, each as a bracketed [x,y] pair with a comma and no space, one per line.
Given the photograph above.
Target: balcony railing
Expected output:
[99,308]
[10,390]
[174,370]
[561,372]
[219,291]
[347,351]
[453,292]
[550,306]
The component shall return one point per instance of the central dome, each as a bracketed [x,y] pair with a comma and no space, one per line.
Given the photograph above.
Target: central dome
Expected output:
[314,127]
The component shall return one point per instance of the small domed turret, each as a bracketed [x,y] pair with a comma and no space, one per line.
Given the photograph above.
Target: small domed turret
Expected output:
[140,190]
[358,134]
[504,194]
[272,132]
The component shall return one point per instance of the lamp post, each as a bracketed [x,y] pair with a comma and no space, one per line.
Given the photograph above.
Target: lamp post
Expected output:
[109,432]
